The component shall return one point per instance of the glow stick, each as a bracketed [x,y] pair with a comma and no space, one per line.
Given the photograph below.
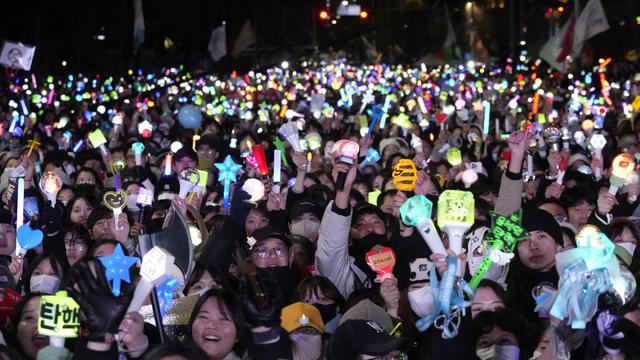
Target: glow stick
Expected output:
[623,166]
[50,97]
[138,149]
[228,170]
[416,211]
[280,146]
[115,201]
[529,165]
[155,269]
[372,157]
[385,110]
[487,117]
[261,159]
[58,318]
[23,104]
[33,144]
[456,213]
[309,158]
[276,171]
[19,212]
[416,144]
[188,179]
[167,164]
[98,140]
[50,185]
[598,142]
[290,132]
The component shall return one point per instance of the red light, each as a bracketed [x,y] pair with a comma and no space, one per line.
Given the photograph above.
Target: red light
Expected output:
[324,15]
[364,14]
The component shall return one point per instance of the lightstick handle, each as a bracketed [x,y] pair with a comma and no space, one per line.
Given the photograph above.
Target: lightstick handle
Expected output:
[597,153]
[185,187]
[138,157]
[455,244]
[481,271]
[56,341]
[428,232]
[143,289]
[275,188]
[52,198]
[342,178]
[613,190]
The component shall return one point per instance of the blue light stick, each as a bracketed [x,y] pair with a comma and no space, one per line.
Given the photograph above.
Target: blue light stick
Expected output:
[372,157]
[117,268]
[228,170]
[487,113]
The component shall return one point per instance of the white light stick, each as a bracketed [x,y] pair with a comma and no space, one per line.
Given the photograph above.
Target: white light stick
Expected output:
[416,211]
[138,148]
[155,269]
[20,212]
[633,180]
[276,171]
[416,143]
[497,128]
[255,188]
[290,132]
[50,185]
[189,178]
[529,165]
[597,142]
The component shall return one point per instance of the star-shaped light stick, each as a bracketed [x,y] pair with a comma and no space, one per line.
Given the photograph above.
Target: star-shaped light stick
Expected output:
[507,231]
[117,268]
[228,170]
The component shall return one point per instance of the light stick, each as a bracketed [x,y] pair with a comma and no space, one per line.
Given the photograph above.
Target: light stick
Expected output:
[456,213]
[261,159]
[58,318]
[503,238]
[50,185]
[19,211]
[598,142]
[416,144]
[385,110]
[255,188]
[97,140]
[115,201]
[416,211]
[145,197]
[623,166]
[405,175]
[154,270]
[469,176]
[371,158]
[290,132]
[138,149]
[117,267]
[487,117]
[228,170]
[280,146]
[314,141]
[145,128]
[562,168]
[276,171]
[189,179]
[167,164]
[346,152]
[382,263]
[454,156]
[116,167]
[33,144]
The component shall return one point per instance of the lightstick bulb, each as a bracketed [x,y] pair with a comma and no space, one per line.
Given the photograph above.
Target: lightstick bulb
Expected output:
[623,165]
[460,103]
[314,141]
[167,164]
[346,151]
[405,175]
[50,184]
[117,119]
[255,188]
[372,157]
[455,206]
[454,156]
[188,178]
[175,146]
[416,143]
[588,125]
[416,211]
[289,131]
[145,128]
[597,142]
[261,159]
[137,147]
[469,177]
[449,109]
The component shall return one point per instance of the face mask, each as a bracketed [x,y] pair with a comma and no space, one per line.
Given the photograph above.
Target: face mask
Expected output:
[155,225]
[306,228]
[205,164]
[630,247]
[421,301]
[499,352]
[86,189]
[327,312]
[487,353]
[132,203]
[309,346]
[47,284]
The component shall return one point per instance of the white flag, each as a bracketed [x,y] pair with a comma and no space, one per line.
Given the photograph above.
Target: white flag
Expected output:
[17,55]
[138,25]
[218,43]
[245,38]
[591,22]
[553,48]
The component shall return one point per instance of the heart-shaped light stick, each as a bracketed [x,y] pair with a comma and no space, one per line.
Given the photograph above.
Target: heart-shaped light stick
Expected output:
[50,185]
[115,201]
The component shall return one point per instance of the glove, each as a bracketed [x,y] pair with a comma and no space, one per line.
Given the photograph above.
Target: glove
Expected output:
[51,217]
[267,317]
[102,310]
[240,206]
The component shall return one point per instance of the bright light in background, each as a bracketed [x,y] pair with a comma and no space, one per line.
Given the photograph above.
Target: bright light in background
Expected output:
[345,3]
[284,65]
[523,43]
[364,14]
[324,15]
[64,63]
[469,5]
[471,64]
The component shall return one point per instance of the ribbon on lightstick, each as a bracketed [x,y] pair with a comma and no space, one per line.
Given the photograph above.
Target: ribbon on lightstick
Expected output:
[346,152]
[227,174]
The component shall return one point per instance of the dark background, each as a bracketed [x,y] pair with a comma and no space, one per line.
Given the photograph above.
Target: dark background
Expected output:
[401,30]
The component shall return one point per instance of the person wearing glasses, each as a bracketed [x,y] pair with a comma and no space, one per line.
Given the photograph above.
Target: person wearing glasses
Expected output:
[271,249]
[77,241]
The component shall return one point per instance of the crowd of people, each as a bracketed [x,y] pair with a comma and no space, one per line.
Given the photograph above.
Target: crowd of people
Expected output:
[288,273]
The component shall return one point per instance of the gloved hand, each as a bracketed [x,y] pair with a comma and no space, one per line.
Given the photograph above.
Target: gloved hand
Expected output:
[87,284]
[51,217]
[240,206]
[269,316]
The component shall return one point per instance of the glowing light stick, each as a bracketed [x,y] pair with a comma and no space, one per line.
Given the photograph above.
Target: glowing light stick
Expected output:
[97,140]
[385,110]
[623,167]
[261,159]
[115,201]
[487,117]
[280,146]
[416,144]
[276,171]
[469,176]
[416,211]
[19,213]
[382,263]
[309,158]
[116,167]
[167,164]
[454,156]
[290,132]
[117,267]
[50,185]
[228,170]
[456,213]
[314,141]
[597,142]
[346,152]
[154,270]
[189,179]
[255,188]
[562,168]
[367,99]
[405,175]
[507,231]
[138,149]
[58,318]
[536,102]
[553,135]
[145,128]
[145,197]
[372,157]
[33,144]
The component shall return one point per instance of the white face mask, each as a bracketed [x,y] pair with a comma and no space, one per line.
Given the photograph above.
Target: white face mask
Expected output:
[630,247]
[306,228]
[47,284]
[422,301]
[132,203]
[499,352]
[309,347]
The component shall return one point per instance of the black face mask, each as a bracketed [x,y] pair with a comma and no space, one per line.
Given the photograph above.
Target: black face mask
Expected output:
[328,312]
[284,279]
[360,248]
[86,189]
[155,225]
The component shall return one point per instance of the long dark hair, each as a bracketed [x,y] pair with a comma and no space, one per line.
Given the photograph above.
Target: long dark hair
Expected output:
[225,300]
[313,284]
[199,270]
[14,320]
[59,267]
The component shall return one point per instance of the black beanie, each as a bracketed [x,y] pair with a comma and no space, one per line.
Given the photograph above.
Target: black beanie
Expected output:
[536,219]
